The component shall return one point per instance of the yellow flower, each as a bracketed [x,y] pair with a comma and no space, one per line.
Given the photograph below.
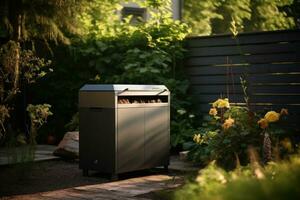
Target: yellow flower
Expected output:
[284,111]
[197,138]
[229,120]
[221,103]
[224,103]
[263,123]
[216,103]
[213,112]
[228,123]
[272,116]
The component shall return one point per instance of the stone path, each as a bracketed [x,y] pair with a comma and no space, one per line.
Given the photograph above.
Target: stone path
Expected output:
[118,190]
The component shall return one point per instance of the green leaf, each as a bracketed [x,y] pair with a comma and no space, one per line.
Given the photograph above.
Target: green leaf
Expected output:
[226,141]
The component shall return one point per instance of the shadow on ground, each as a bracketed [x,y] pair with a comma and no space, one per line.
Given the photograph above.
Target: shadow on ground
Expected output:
[31,178]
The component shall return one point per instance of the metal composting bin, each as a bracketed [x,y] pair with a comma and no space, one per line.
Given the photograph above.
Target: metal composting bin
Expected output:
[123,127]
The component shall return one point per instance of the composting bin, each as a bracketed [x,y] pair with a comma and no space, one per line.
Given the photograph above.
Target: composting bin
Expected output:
[123,128]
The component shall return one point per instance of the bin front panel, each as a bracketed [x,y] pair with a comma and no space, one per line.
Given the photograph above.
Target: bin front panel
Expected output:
[97,139]
[130,139]
[157,139]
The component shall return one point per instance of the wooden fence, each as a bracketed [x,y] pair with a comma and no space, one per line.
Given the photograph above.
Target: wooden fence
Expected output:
[270,61]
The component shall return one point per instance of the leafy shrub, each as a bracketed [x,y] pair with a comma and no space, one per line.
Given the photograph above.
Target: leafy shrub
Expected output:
[38,116]
[146,53]
[274,181]
[14,82]
[73,125]
[228,132]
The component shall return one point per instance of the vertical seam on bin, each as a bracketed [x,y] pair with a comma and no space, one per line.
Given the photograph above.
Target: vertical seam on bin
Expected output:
[144,159]
[116,133]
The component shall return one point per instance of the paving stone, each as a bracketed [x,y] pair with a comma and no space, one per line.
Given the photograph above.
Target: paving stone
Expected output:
[109,196]
[60,194]
[135,186]
[84,195]
[27,197]
[92,191]
[177,164]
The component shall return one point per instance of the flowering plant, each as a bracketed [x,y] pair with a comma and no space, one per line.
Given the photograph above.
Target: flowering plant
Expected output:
[228,131]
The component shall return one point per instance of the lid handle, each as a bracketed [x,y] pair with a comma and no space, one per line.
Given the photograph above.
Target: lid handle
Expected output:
[123,91]
[161,91]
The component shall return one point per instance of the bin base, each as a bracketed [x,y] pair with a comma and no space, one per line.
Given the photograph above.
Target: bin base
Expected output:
[85,172]
[114,177]
[166,167]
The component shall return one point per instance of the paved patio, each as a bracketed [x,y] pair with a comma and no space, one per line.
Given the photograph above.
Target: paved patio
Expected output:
[132,188]
[118,190]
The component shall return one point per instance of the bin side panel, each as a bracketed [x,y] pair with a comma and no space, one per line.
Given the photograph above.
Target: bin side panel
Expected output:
[130,142]
[97,139]
[157,137]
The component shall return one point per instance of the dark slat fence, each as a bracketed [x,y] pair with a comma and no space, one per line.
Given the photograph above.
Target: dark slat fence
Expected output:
[271,61]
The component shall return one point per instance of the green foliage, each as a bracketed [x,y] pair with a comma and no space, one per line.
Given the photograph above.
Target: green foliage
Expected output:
[99,17]
[199,14]
[9,54]
[13,83]
[267,15]
[232,10]
[38,116]
[145,54]
[181,127]
[211,17]
[44,20]
[25,22]
[274,181]
[119,52]
[4,114]
[21,155]
[73,125]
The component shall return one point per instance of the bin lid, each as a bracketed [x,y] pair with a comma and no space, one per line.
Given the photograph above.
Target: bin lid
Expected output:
[122,87]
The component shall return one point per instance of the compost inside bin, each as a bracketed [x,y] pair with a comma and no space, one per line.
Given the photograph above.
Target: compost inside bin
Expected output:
[142,99]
